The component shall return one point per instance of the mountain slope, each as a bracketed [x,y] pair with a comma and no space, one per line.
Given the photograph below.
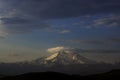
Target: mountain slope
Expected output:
[64,57]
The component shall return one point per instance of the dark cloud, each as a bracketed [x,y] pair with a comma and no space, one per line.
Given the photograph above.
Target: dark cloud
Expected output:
[101,51]
[25,28]
[14,20]
[48,9]
[115,39]
[79,41]
[105,41]
[85,41]
[28,15]
[22,25]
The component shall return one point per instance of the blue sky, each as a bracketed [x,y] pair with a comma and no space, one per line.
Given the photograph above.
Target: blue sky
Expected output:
[29,27]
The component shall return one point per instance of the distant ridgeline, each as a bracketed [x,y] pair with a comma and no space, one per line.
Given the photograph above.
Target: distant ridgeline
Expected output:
[112,75]
[64,61]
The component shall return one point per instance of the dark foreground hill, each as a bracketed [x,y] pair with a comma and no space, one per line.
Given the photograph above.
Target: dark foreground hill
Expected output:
[112,75]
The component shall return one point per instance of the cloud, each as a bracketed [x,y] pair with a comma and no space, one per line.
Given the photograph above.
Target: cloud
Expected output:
[15,55]
[103,21]
[55,49]
[20,25]
[48,9]
[114,39]
[101,51]
[105,41]
[3,33]
[77,50]
[14,20]
[59,29]
[21,16]
[80,41]
[110,21]
[65,31]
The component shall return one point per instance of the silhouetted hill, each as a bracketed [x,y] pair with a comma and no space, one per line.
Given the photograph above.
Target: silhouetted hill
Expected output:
[39,76]
[112,75]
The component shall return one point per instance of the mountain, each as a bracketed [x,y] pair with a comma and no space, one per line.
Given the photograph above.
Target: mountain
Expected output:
[64,57]
[68,61]
[112,75]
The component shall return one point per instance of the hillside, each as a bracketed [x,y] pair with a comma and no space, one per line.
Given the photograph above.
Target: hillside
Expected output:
[112,75]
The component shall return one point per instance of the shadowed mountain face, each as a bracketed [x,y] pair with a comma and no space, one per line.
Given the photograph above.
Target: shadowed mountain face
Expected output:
[112,75]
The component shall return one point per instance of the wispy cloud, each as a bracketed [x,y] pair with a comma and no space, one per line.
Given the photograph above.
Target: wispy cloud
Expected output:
[110,21]
[3,33]
[10,25]
[103,21]
[100,51]
[65,31]
[81,41]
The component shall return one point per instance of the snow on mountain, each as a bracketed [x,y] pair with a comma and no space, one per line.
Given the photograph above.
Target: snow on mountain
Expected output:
[64,57]
[52,56]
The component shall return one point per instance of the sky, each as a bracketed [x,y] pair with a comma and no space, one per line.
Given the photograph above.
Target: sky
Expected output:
[28,28]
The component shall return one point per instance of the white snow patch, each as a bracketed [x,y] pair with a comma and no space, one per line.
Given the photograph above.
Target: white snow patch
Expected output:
[55,49]
[52,56]
[74,58]
[81,62]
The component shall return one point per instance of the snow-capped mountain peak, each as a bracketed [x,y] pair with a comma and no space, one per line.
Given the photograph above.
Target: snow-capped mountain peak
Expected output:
[64,57]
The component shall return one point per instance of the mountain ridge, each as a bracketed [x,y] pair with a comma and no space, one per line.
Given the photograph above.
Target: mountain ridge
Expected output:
[64,57]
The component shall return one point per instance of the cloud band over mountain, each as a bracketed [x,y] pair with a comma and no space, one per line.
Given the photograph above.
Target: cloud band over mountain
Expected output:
[81,51]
